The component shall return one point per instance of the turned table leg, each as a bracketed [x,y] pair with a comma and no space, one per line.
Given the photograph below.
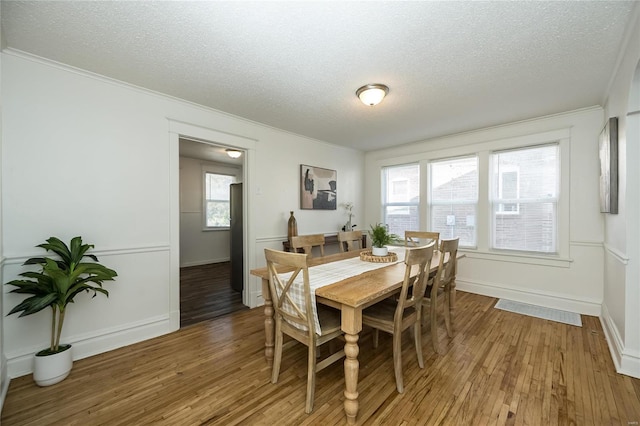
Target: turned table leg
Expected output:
[351,325]
[269,325]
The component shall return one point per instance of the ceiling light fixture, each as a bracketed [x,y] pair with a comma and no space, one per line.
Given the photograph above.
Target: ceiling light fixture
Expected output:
[372,94]
[233,153]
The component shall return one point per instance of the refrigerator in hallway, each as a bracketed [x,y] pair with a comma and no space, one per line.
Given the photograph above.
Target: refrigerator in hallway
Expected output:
[236,237]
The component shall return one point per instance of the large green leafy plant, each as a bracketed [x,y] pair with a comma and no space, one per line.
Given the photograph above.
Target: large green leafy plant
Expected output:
[58,281]
[381,237]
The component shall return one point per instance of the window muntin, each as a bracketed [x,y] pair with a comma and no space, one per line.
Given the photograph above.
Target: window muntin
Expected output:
[532,226]
[401,198]
[453,198]
[216,200]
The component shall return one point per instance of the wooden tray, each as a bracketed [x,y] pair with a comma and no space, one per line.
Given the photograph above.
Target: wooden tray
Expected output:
[367,256]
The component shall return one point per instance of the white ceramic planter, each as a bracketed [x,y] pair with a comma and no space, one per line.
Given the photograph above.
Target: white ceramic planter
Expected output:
[380,251]
[51,369]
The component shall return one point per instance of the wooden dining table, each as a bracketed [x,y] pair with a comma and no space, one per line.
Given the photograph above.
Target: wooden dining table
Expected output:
[350,296]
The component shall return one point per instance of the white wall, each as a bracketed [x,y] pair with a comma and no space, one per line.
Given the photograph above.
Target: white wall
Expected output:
[197,245]
[571,281]
[84,155]
[621,305]
[4,379]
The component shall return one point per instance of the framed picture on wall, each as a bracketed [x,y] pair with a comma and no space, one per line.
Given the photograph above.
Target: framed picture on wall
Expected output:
[608,152]
[318,188]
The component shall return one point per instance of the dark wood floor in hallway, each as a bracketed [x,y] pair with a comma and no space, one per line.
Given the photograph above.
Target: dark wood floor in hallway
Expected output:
[206,293]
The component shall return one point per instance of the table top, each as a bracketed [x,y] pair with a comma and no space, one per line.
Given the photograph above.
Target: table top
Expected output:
[362,290]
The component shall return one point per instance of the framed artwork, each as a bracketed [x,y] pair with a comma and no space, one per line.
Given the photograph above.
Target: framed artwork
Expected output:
[317,188]
[608,152]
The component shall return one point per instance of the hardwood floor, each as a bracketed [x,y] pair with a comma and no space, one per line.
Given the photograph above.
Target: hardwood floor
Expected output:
[499,368]
[206,293]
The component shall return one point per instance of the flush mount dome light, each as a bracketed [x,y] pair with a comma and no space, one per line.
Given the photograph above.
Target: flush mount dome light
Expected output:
[372,94]
[233,153]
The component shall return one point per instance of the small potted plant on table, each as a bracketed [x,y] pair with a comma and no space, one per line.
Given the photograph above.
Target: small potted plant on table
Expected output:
[380,238]
[55,285]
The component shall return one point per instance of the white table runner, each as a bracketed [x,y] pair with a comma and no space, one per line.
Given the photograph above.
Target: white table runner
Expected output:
[330,273]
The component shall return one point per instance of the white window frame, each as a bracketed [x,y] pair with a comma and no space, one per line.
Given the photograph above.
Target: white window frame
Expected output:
[561,136]
[206,172]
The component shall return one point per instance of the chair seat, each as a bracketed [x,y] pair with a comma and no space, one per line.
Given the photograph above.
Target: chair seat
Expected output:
[384,311]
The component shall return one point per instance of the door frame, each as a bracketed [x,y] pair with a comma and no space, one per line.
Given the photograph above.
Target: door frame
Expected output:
[178,129]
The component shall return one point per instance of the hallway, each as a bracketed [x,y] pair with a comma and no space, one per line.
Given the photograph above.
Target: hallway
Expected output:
[206,293]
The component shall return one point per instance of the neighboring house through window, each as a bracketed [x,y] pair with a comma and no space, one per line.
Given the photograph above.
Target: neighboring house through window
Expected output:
[401,198]
[525,188]
[453,198]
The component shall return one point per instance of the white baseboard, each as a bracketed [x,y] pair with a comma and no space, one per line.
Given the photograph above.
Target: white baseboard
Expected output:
[86,346]
[204,262]
[555,301]
[625,362]
[4,379]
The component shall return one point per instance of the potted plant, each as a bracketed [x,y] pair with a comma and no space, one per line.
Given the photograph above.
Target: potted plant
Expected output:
[380,238]
[55,285]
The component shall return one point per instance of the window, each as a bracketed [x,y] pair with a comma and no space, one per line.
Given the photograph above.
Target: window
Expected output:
[453,198]
[524,189]
[216,199]
[401,197]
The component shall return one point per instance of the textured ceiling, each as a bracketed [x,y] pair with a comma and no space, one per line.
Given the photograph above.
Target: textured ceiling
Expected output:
[451,66]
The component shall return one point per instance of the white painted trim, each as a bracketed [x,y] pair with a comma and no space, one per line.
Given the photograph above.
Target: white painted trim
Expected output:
[21,258]
[626,362]
[278,239]
[594,244]
[179,129]
[616,254]
[523,258]
[548,300]
[86,345]
[174,228]
[193,131]
[5,382]
[256,298]
[204,262]
[487,143]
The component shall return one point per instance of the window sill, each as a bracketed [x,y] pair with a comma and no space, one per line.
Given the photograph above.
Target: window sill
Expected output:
[220,228]
[524,258]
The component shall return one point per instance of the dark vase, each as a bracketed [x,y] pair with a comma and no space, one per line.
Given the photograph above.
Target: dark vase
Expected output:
[292,229]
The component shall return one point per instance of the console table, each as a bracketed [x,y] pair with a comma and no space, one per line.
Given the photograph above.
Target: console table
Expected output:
[329,239]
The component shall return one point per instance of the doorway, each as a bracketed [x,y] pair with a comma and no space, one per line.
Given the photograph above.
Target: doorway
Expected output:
[206,260]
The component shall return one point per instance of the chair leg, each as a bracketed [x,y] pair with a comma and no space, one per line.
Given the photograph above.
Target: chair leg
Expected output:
[277,356]
[375,337]
[397,359]
[434,325]
[447,310]
[417,335]
[311,377]
[426,305]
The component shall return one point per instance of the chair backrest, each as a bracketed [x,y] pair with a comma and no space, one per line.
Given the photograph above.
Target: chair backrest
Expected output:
[420,238]
[420,256]
[349,238]
[447,271]
[291,297]
[307,242]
